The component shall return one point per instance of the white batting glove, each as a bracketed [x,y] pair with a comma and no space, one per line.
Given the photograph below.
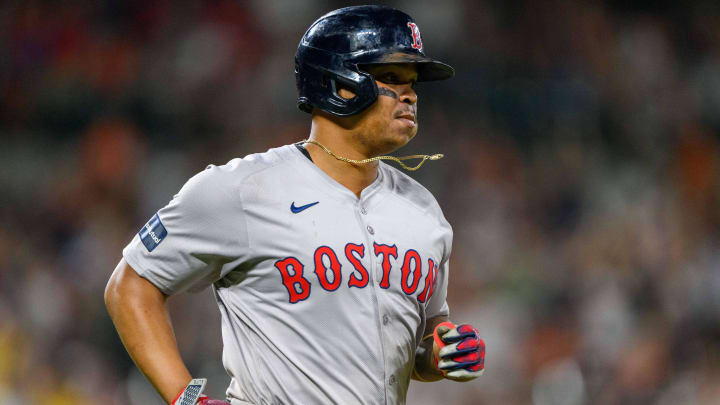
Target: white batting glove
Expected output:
[459,352]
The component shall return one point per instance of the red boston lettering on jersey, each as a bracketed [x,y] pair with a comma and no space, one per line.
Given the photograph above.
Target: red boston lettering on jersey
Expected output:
[412,259]
[429,282]
[386,251]
[321,270]
[350,250]
[297,286]
[415,32]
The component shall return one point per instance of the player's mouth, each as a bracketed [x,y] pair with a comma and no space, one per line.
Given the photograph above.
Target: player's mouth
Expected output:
[406,118]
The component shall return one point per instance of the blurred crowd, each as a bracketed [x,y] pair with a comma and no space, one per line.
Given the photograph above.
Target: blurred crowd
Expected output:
[581,178]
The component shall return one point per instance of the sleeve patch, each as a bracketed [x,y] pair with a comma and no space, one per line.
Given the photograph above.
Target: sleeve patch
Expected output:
[152,233]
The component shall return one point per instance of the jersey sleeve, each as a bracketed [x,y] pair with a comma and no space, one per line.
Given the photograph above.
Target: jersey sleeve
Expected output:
[437,303]
[194,240]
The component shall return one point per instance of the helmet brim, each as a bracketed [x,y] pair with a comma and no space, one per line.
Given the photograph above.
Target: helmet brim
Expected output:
[428,69]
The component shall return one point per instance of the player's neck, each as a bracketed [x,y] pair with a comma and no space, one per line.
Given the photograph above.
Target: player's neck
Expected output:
[354,177]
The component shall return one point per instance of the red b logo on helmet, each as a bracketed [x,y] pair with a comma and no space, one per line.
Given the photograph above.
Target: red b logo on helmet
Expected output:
[415,32]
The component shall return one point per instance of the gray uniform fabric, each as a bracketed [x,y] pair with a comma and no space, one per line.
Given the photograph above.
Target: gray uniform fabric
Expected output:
[325,305]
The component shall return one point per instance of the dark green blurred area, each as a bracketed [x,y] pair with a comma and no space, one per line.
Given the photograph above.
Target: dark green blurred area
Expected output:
[581,178]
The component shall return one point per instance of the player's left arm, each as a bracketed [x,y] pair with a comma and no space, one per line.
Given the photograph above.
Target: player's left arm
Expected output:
[446,350]
[455,352]
[425,369]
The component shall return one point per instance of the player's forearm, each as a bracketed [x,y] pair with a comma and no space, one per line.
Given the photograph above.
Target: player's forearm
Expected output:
[425,369]
[138,311]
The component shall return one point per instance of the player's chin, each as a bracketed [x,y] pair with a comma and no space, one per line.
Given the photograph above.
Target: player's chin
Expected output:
[404,132]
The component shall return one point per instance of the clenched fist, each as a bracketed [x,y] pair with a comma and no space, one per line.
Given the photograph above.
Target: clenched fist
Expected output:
[458,351]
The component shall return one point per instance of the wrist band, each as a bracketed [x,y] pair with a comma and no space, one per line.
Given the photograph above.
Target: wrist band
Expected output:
[191,393]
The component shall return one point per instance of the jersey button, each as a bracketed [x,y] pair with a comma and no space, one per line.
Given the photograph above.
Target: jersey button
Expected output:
[392,379]
[370,230]
[363,211]
[386,319]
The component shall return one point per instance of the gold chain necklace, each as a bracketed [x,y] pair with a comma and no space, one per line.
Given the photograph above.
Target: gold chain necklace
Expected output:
[373,159]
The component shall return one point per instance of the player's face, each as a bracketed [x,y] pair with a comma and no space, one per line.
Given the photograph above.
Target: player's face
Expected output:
[390,122]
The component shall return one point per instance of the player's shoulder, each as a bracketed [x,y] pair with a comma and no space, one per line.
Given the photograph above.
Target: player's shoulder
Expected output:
[218,181]
[238,169]
[410,190]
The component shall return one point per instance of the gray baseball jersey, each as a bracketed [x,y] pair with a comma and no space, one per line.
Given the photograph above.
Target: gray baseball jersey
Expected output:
[323,295]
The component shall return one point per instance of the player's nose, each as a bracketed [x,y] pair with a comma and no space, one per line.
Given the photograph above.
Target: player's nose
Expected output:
[407,94]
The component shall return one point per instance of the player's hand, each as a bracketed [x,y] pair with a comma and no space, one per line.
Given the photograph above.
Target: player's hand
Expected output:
[459,352]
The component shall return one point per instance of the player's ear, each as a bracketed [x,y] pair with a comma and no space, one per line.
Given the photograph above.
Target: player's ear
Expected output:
[345,93]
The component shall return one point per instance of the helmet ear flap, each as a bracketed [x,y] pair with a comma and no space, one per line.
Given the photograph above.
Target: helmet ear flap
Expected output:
[364,95]
[320,77]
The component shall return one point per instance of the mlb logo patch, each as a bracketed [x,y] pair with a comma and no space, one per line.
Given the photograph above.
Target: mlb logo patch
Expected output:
[152,233]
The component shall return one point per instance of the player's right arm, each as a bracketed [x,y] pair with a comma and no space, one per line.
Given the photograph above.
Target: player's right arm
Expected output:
[187,245]
[138,310]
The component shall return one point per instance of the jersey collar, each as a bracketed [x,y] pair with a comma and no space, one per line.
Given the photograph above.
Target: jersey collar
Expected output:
[337,187]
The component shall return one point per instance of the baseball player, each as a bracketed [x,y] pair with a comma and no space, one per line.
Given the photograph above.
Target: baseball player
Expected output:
[329,266]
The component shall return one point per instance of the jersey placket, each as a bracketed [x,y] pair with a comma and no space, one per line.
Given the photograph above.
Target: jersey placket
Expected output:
[362,208]
[362,213]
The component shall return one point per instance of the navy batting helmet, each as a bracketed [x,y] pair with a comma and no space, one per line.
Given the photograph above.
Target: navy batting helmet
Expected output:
[337,45]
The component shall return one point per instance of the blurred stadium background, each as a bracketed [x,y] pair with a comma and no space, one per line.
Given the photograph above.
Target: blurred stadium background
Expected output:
[581,177]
